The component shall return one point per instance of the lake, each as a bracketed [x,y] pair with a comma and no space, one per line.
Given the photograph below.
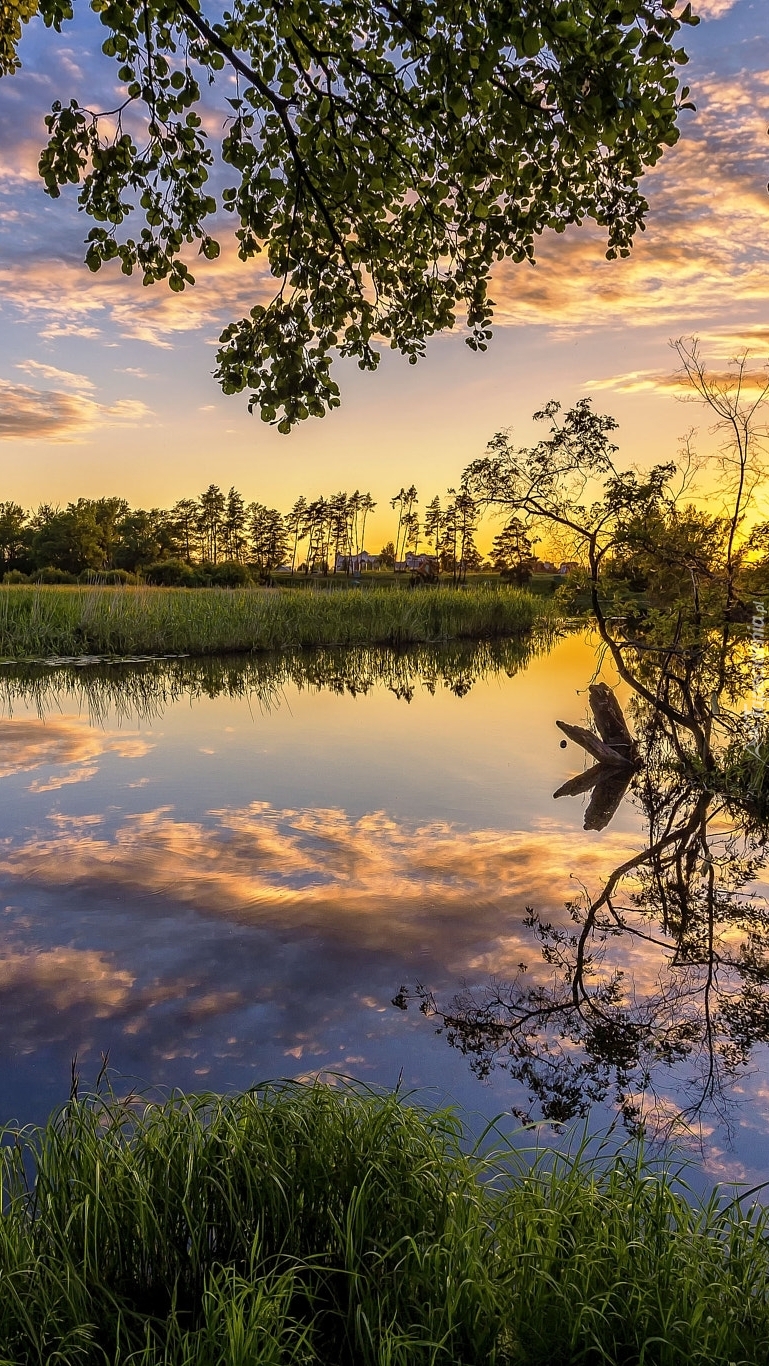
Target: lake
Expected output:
[218,872]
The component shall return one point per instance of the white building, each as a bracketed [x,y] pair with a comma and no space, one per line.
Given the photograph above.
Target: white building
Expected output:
[356,564]
[422,561]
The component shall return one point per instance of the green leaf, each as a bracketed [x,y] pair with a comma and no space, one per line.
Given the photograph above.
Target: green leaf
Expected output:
[532,42]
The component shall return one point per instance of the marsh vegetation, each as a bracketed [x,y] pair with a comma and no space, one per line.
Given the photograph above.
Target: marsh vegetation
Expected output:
[297,1224]
[38,622]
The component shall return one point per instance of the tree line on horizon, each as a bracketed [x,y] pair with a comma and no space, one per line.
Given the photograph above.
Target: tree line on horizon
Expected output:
[223,538]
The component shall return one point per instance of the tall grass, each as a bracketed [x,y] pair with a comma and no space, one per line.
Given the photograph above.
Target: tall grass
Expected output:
[40,621]
[305,1225]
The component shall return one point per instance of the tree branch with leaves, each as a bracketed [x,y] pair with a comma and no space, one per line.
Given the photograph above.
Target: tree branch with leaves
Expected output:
[383,157]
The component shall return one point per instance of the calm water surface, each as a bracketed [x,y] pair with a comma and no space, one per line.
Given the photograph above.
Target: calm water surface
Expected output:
[224,872]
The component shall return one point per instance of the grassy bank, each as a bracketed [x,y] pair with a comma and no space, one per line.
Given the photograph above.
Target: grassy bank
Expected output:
[43,621]
[313,1226]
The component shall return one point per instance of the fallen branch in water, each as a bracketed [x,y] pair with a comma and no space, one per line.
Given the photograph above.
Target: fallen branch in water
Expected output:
[614,749]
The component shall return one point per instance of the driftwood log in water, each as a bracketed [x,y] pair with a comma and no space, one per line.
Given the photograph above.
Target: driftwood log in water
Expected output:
[614,744]
[610,721]
[605,754]
[616,752]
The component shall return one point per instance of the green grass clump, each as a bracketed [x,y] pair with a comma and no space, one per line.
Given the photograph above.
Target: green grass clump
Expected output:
[743,777]
[40,621]
[305,1225]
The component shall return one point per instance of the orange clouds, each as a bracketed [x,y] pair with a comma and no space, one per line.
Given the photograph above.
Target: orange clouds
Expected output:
[661,381]
[705,251]
[713,9]
[462,893]
[68,742]
[54,415]
[67,978]
[67,301]
[68,379]
[701,267]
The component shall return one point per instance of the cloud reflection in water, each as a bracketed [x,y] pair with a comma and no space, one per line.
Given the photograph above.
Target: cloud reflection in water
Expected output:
[115,938]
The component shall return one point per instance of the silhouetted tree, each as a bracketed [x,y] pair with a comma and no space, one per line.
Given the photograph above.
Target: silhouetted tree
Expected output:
[210,521]
[366,505]
[459,522]
[184,515]
[405,501]
[268,537]
[15,537]
[512,552]
[234,526]
[296,522]
[71,539]
[433,527]
[143,538]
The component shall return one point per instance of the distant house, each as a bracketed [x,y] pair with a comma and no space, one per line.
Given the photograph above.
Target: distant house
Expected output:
[420,562]
[356,564]
[547,567]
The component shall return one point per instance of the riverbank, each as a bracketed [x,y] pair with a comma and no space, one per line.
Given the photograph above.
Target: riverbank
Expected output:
[42,621]
[309,1225]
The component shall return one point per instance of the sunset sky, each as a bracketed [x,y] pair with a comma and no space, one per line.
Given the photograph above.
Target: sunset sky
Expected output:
[106,387]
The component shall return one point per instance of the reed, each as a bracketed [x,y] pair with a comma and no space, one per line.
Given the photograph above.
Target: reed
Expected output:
[311,1225]
[42,621]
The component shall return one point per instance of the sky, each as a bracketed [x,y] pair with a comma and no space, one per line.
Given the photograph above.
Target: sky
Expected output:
[107,388]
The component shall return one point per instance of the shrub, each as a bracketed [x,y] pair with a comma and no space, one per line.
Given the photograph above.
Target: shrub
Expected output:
[519,575]
[15,576]
[108,577]
[226,574]
[170,574]
[52,576]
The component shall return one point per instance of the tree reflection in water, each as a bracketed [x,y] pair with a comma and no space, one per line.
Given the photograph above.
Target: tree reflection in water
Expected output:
[142,689]
[655,992]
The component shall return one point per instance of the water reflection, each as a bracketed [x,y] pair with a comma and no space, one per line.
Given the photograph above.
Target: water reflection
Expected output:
[652,992]
[222,870]
[144,689]
[218,868]
[68,742]
[378,878]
